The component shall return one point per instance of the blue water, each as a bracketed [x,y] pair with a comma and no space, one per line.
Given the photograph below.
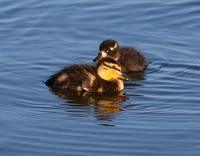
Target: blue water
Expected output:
[159,114]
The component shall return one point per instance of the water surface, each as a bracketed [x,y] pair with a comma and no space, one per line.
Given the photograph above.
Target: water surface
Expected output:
[158,114]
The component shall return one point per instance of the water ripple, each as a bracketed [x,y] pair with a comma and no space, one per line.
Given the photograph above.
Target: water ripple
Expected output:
[156,114]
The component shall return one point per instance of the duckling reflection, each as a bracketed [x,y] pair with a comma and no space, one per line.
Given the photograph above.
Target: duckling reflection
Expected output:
[104,106]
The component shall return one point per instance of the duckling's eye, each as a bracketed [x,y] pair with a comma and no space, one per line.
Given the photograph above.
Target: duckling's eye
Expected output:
[113,67]
[108,50]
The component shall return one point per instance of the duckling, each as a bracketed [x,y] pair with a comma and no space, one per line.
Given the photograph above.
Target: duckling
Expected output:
[105,77]
[131,59]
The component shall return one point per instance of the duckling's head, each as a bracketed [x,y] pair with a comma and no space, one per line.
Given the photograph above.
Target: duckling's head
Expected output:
[108,48]
[109,69]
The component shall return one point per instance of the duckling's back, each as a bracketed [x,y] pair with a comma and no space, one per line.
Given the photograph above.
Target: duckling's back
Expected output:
[71,77]
[132,60]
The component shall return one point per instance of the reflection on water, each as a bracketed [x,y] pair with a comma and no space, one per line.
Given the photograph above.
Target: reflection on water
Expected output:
[135,76]
[105,106]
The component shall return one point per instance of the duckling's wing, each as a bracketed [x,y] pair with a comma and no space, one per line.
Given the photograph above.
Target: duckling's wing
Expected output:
[87,87]
[69,78]
[90,84]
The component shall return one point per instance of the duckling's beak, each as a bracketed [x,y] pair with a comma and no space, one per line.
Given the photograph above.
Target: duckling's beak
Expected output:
[123,76]
[97,58]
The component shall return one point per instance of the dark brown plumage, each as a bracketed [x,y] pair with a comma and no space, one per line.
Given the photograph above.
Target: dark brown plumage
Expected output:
[89,78]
